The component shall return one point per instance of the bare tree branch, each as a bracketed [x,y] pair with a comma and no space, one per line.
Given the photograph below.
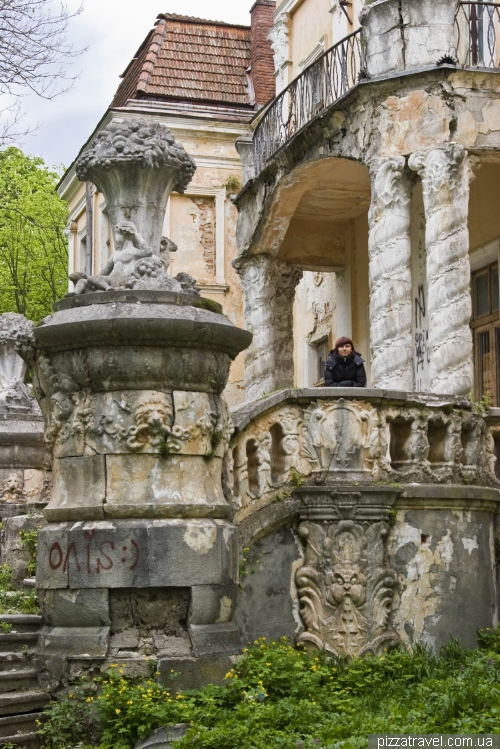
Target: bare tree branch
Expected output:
[34,56]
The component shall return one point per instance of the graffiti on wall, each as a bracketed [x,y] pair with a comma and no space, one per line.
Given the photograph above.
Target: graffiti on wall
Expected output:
[421,353]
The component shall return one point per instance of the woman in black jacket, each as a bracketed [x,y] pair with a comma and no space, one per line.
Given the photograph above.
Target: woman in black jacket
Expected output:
[344,367]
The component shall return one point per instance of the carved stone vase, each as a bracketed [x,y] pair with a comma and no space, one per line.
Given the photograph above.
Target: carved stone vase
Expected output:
[344,585]
[139,558]
[136,164]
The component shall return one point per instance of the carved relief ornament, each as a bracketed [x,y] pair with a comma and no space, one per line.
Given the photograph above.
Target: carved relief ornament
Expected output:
[344,586]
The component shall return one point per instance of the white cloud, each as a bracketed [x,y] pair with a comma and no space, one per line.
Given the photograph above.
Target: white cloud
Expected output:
[112,30]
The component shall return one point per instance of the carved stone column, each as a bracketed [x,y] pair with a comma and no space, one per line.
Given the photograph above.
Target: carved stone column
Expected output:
[268,294]
[344,585]
[446,173]
[389,248]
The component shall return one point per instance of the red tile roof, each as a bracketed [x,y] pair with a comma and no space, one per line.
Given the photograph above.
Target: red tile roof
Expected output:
[186,58]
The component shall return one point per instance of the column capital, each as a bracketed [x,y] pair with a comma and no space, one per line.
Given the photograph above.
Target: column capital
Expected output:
[258,272]
[389,176]
[440,168]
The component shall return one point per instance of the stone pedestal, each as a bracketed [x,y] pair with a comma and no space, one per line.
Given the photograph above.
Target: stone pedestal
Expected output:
[268,295]
[139,558]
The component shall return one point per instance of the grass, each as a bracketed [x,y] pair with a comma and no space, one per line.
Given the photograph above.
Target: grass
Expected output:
[277,697]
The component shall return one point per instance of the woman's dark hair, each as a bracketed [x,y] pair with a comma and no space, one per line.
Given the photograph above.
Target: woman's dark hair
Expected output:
[343,342]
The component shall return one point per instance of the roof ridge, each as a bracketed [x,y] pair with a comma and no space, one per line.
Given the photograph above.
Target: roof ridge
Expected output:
[159,36]
[195,19]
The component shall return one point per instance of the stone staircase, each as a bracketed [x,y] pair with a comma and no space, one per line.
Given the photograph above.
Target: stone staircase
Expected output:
[21,701]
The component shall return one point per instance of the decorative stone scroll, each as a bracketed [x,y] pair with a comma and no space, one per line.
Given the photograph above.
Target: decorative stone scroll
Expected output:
[446,173]
[389,247]
[268,295]
[344,586]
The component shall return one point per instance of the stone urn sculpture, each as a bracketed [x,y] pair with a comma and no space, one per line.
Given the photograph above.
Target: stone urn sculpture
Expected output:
[139,558]
[136,164]
[24,462]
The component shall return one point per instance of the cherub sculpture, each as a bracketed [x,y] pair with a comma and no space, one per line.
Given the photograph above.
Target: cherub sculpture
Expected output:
[133,265]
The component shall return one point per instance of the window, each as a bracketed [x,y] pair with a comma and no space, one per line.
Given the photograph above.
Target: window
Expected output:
[486,332]
[322,351]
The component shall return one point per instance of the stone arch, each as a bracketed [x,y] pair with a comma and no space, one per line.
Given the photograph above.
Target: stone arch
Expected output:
[309,206]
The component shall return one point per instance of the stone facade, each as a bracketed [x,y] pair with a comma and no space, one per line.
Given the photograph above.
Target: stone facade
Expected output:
[367,517]
[361,518]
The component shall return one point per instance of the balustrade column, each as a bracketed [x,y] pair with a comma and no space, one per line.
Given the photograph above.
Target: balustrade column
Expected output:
[389,249]
[446,173]
[268,295]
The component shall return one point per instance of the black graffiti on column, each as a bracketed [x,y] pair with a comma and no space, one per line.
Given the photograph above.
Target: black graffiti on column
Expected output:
[422,353]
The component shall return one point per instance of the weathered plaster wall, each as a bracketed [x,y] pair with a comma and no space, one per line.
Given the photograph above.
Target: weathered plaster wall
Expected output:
[311,23]
[444,564]
[314,322]
[193,231]
[444,560]
[484,216]
[267,604]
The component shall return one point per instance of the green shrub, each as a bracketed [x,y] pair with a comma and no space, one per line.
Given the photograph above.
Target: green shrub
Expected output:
[13,601]
[277,697]
[29,539]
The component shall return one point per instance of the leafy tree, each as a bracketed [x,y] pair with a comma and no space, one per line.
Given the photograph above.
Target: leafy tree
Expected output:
[33,248]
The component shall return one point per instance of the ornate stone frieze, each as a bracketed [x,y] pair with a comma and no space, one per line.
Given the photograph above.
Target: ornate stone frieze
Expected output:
[342,437]
[344,585]
[389,248]
[329,439]
[446,173]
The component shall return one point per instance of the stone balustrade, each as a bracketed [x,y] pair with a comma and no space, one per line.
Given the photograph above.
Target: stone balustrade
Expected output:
[323,436]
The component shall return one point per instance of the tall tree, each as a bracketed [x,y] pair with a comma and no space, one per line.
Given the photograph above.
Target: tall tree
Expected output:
[33,248]
[34,54]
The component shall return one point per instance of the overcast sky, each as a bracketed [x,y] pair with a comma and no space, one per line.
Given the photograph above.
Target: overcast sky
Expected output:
[112,30]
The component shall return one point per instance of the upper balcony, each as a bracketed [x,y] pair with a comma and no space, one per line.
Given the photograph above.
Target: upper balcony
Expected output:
[391,40]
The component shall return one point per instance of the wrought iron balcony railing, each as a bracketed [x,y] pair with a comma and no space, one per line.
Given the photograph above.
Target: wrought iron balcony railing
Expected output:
[327,79]
[478,34]
[314,90]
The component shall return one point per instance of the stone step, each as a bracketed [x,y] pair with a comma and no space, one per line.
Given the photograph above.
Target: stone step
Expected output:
[18,678]
[23,741]
[20,657]
[22,622]
[17,641]
[15,703]
[10,725]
